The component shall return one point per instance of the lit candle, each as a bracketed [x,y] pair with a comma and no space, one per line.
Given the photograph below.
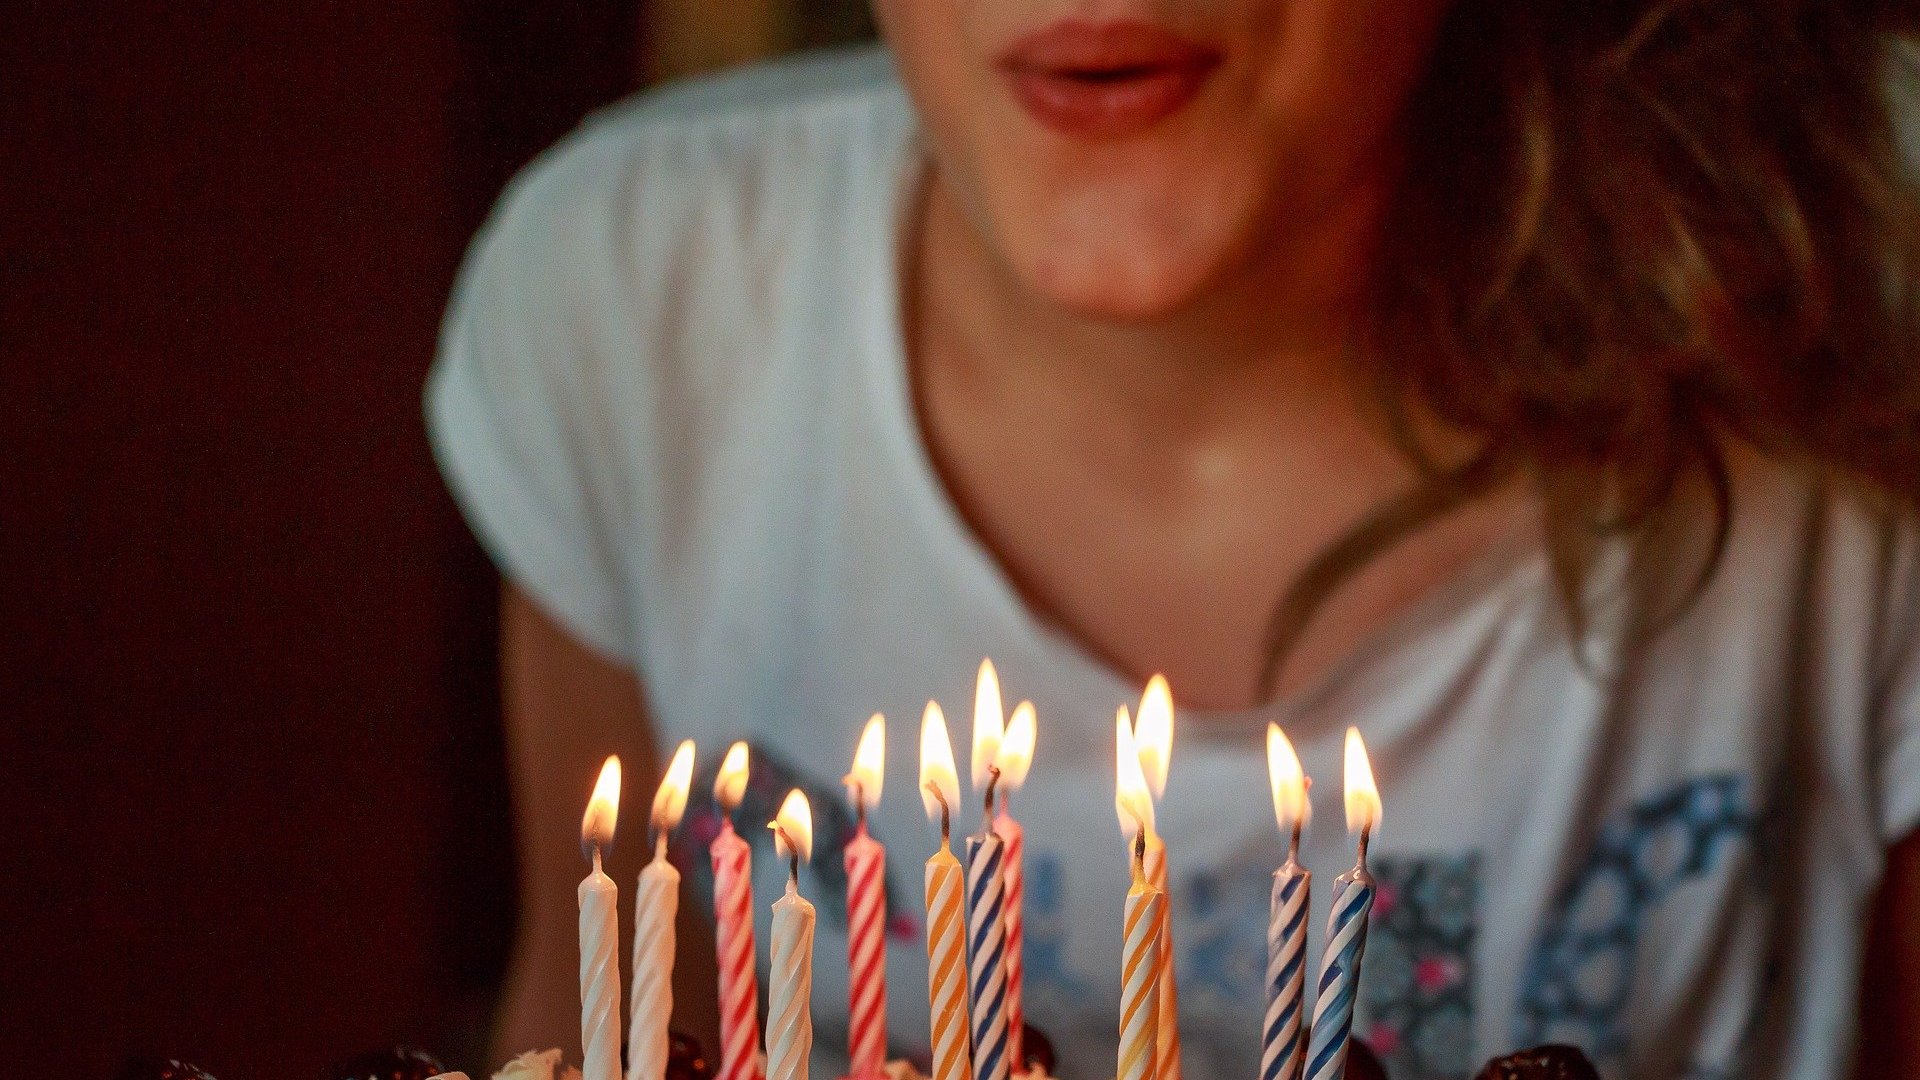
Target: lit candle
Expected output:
[1154,738]
[1015,758]
[733,927]
[655,903]
[790,981]
[1282,1051]
[600,935]
[1140,953]
[987,892]
[1346,928]
[866,863]
[946,924]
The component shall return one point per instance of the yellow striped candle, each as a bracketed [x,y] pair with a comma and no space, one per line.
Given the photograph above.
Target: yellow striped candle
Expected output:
[1153,739]
[1144,910]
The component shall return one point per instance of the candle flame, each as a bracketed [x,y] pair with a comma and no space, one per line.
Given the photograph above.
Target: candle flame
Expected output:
[794,824]
[936,763]
[1130,799]
[870,763]
[1016,748]
[989,723]
[1289,782]
[1153,734]
[730,786]
[670,801]
[603,808]
[1363,798]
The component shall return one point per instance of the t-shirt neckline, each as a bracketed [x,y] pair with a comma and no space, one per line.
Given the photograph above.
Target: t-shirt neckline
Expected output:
[1514,562]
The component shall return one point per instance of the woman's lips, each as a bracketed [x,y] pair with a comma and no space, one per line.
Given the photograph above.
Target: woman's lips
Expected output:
[1105,80]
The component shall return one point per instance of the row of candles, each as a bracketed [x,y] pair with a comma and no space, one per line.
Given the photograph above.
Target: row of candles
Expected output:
[975,926]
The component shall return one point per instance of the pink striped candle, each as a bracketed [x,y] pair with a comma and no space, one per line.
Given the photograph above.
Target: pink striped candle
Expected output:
[867,913]
[1015,757]
[733,928]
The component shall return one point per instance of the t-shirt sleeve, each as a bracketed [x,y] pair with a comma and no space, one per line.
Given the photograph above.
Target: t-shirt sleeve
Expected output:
[1897,723]
[518,420]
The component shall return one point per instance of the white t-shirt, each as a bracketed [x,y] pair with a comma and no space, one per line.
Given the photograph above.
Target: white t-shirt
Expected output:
[671,398]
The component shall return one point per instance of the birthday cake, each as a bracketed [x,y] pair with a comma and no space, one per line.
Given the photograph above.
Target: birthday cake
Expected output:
[687,1062]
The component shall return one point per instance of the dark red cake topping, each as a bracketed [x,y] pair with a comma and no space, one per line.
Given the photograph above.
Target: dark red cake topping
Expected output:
[1541,1063]
[399,1063]
[163,1070]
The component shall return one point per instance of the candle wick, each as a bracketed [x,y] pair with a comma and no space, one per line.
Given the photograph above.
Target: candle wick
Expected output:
[946,812]
[860,806]
[1293,845]
[596,858]
[793,855]
[993,781]
[1360,863]
[660,845]
[1139,844]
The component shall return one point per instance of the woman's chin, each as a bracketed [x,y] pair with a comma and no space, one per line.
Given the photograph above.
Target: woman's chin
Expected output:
[1113,285]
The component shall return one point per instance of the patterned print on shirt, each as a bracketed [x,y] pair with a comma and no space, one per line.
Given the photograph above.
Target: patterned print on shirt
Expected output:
[1417,991]
[1579,977]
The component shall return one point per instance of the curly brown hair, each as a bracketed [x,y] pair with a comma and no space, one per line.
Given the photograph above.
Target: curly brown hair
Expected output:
[1629,231]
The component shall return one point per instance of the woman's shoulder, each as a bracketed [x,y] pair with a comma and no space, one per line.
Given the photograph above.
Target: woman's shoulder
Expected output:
[1844,555]
[703,158]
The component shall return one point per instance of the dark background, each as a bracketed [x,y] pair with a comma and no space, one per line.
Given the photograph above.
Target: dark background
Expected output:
[256,811]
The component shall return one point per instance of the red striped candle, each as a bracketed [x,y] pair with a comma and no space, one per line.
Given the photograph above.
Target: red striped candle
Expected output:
[733,928]
[867,913]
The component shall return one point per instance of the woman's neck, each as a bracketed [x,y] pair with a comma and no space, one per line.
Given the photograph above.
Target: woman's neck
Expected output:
[1277,329]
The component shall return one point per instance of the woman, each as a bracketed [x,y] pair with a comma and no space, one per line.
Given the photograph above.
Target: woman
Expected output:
[1527,384]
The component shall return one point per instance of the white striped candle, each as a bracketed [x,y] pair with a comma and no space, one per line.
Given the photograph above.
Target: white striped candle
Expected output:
[1339,983]
[1338,987]
[1282,1036]
[986,954]
[946,913]
[656,902]
[1167,1011]
[1282,1050]
[1140,980]
[946,967]
[790,977]
[599,900]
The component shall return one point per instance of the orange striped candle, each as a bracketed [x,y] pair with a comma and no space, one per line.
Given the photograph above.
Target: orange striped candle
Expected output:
[946,925]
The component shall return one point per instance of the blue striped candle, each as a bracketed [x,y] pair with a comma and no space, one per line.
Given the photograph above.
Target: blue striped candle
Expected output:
[986,953]
[1340,973]
[1282,1048]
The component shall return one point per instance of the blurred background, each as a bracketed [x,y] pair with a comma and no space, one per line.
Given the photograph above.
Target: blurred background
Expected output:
[255,810]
